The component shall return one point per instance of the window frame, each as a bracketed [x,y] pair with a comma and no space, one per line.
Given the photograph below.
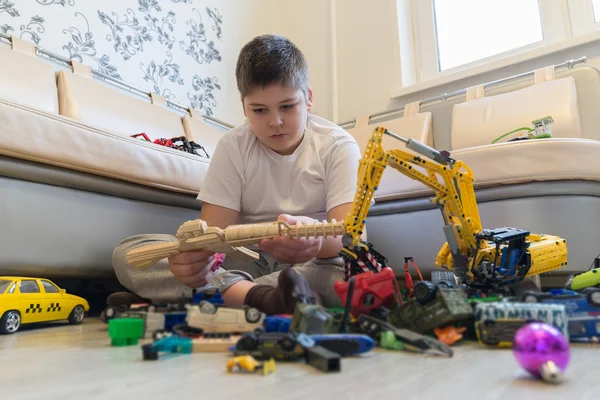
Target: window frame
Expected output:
[568,25]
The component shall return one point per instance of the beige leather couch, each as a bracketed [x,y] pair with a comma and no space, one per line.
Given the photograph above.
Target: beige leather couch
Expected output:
[544,186]
[73,183]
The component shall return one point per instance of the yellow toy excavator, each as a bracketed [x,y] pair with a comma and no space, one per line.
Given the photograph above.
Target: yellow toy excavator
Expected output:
[480,258]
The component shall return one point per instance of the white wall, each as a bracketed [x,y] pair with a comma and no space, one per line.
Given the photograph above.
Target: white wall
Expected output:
[367,56]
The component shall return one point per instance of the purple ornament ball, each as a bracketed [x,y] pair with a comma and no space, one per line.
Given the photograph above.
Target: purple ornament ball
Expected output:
[537,343]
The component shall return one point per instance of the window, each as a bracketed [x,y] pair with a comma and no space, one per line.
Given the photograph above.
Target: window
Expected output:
[3,285]
[49,287]
[463,36]
[29,286]
[445,37]
[596,8]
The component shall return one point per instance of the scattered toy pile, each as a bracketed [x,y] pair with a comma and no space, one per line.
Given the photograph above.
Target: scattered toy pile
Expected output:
[178,143]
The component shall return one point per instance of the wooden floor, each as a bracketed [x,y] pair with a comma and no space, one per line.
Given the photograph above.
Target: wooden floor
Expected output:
[58,361]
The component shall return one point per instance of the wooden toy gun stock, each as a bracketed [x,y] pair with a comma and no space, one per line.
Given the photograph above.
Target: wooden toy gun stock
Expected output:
[196,235]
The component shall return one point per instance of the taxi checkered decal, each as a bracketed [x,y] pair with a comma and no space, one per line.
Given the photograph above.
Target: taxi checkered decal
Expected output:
[33,308]
[54,307]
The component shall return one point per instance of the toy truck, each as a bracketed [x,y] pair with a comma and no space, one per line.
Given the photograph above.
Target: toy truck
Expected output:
[433,306]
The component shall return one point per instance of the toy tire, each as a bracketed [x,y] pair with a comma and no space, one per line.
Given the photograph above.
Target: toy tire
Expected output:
[77,315]
[207,308]
[593,297]
[248,342]
[488,323]
[10,322]
[252,315]
[259,331]
[424,291]
[529,297]
[109,313]
[288,343]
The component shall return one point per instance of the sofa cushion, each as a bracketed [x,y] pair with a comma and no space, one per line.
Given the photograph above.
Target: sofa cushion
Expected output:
[414,125]
[35,135]
[27,80]
[108,109]
[478,122]
[510,163]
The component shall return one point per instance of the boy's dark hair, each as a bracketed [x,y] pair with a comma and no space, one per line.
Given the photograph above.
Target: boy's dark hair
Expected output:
[271,59]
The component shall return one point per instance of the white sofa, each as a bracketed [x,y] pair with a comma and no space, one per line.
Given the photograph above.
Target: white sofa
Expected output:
[73,183]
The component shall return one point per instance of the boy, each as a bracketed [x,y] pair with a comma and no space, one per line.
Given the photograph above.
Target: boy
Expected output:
[283,164]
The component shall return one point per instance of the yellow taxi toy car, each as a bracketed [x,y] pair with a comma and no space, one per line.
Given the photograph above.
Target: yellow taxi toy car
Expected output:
[26,300]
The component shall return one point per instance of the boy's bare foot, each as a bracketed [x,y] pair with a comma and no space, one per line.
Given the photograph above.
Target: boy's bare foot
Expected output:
[291,289]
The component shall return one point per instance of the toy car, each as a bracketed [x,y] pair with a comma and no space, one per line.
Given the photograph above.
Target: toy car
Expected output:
[497,323]
[212,318]
[26,300]
[584,303]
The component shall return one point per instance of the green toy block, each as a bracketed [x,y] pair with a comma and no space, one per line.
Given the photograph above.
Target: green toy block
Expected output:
[389,341]
[125,331]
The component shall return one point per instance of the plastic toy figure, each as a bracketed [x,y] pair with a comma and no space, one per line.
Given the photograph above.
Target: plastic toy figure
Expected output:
[28,300]
[248,363]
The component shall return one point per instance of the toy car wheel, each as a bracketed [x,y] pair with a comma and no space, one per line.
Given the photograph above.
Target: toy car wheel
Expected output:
[424,291]
[593,297]
[489,339]
[288,343]
[10,322]
[77,315]
[529,297]
[252,315]
[207,308]
[108,313]
[248,342]
[259,331]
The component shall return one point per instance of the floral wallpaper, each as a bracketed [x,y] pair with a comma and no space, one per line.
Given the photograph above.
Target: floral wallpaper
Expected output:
[170,47]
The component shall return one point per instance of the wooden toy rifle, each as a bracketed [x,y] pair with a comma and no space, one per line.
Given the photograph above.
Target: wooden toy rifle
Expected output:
[197,235]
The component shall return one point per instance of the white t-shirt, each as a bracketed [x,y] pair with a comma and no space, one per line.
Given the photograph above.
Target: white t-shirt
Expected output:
[247,176]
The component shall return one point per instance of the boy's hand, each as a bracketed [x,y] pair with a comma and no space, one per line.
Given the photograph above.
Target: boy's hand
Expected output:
[291,250]
[193,268]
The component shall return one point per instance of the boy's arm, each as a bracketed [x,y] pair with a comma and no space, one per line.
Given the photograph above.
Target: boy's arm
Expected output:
[218,216]
[332,246]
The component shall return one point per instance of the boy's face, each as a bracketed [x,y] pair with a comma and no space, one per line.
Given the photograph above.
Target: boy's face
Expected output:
[277,116]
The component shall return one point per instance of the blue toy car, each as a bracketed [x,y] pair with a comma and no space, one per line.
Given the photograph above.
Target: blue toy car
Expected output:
[577,304]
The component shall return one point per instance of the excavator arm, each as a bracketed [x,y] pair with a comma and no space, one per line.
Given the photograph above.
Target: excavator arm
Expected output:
[481,257]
